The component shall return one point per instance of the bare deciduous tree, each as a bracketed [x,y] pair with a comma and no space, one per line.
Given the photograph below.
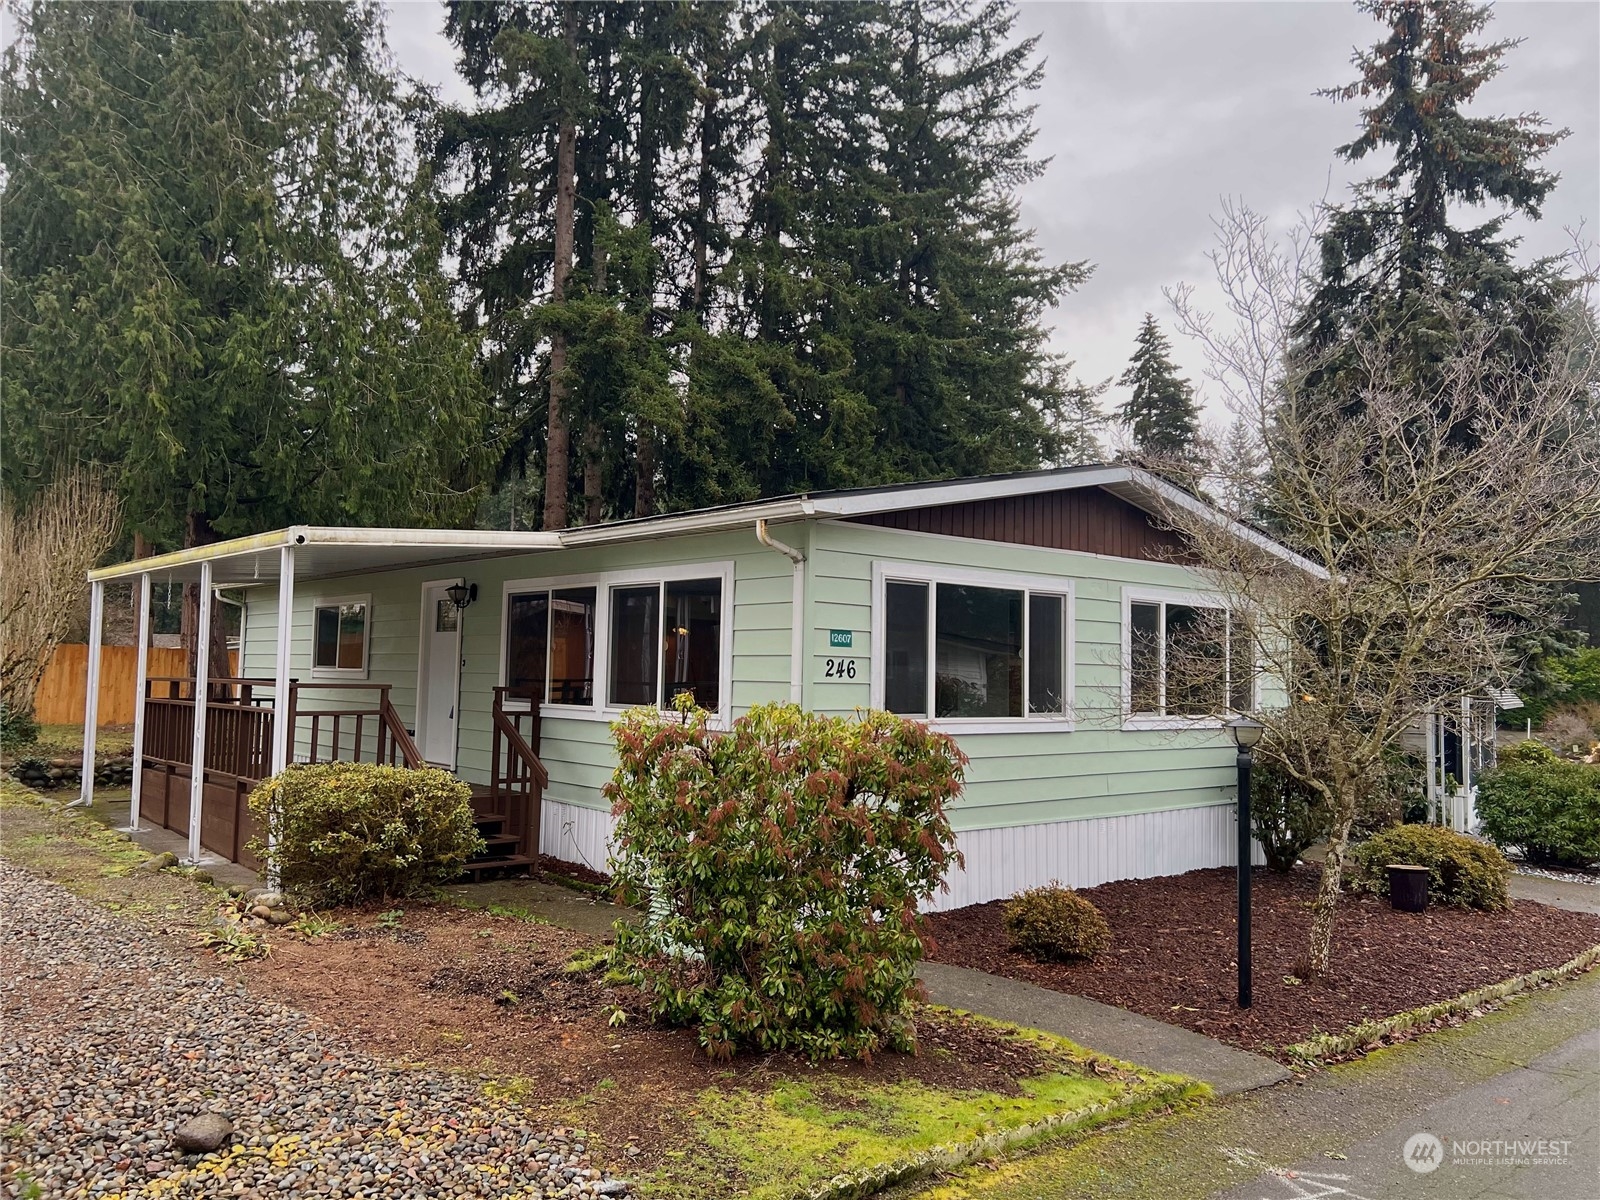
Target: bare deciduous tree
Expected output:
[1424,554]
[46,549]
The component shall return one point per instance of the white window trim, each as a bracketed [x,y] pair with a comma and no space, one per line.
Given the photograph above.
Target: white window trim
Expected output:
[333,674]
[603,582]
[884,570]
[1149,595]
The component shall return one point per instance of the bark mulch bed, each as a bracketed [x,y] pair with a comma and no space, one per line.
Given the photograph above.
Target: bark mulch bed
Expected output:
[467,990]
[1172,955]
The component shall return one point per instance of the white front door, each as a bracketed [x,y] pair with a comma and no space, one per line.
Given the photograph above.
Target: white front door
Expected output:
[437,676]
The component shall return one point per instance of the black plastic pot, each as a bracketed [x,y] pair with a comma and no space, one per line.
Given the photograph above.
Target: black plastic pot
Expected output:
[1408,887]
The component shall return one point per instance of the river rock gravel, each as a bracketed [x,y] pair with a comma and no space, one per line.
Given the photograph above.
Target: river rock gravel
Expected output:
[110,1040]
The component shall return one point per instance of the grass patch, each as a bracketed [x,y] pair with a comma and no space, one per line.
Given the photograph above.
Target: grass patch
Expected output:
[836,1136]
[55,741]
[74,849]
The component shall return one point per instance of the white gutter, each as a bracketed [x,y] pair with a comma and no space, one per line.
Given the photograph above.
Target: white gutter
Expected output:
[711,521]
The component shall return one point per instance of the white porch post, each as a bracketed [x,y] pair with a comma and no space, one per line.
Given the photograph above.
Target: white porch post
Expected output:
[91,693]
[202,680]
[282,733]
[141,680]
[1430,755]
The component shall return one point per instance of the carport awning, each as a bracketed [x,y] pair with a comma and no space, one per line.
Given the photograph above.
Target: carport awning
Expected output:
[323,552]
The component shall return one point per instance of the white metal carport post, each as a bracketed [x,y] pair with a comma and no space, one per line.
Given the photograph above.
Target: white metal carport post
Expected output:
[282,734]
[141,682]
[91,693]
[202,689]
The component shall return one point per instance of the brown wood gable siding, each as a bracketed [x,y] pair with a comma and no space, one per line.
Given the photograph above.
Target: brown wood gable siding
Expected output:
[1086,519]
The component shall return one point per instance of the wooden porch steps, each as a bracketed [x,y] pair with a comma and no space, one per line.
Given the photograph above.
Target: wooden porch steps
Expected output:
[502,850]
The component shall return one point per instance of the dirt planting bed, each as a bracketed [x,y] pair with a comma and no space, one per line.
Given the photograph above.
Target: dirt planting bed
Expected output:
[1173,954]
[466,990]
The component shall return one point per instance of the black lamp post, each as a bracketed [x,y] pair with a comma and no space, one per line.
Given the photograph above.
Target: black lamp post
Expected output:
[1246,733]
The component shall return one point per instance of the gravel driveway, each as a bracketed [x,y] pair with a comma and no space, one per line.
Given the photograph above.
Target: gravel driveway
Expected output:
[109,1040]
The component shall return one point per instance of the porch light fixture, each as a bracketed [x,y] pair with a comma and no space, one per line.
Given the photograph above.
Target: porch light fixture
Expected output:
[462,594]
[1246,732]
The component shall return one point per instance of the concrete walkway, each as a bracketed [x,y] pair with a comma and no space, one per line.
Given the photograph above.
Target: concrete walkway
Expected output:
[1114,1031]
[1557,893]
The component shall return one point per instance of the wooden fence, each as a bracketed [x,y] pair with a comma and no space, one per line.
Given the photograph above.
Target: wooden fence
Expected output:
[59,700]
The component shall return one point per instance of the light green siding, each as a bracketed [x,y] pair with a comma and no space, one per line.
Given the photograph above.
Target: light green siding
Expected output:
[576,751]
[1031,776]
[1096,769]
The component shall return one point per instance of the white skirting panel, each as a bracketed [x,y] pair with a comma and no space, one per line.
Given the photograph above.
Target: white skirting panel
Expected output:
[1001,862]
[576,834]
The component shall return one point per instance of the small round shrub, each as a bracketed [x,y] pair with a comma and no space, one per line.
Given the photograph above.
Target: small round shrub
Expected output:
[1548,808]
[347,832]
[1055,923]
[1286,815]
[1463,872]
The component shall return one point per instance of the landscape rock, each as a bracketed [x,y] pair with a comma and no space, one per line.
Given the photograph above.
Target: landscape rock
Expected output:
[203,1134]
[121,1037]
[159,862]
[279,916]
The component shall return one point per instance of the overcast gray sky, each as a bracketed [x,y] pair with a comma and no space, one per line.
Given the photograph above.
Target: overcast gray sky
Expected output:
[1150,112]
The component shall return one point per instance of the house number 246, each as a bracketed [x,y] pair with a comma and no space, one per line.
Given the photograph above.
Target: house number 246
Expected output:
[839,668]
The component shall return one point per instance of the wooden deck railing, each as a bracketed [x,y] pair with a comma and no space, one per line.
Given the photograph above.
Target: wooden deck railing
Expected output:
[239,719]
[517,777]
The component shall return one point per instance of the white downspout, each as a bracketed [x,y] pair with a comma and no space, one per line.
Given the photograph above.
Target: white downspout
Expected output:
[141,684]
[91,695]
[797,607]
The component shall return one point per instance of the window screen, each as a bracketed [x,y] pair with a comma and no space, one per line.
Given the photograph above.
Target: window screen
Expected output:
[1047,654]
[691,644]
[905,657]
[635,644]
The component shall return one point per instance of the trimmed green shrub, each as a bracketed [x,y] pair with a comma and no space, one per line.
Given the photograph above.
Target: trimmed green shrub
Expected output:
[782,864]
[18,729]
[1548,808]
[1286,816]
[347,832]
[1462,871]
[1054,922]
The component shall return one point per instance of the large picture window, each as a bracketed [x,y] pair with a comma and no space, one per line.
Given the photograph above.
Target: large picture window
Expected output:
[550,645]
[1188,659]
[959,649]
[611,641]
[339,637]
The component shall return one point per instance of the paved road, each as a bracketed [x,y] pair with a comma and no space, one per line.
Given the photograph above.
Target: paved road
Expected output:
[1554,1100]
[1530,1070]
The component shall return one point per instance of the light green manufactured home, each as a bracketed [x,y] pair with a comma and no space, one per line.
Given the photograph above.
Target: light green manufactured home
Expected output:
[1029,616]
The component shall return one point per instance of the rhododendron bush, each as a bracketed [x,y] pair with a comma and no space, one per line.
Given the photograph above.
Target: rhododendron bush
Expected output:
[781,864]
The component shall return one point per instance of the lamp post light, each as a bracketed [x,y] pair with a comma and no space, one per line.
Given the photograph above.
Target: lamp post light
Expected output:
[1246,732]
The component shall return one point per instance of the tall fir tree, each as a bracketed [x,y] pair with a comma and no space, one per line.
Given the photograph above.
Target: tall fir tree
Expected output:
[222,276]
[1160,410]
[797,259]
[1394,260]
